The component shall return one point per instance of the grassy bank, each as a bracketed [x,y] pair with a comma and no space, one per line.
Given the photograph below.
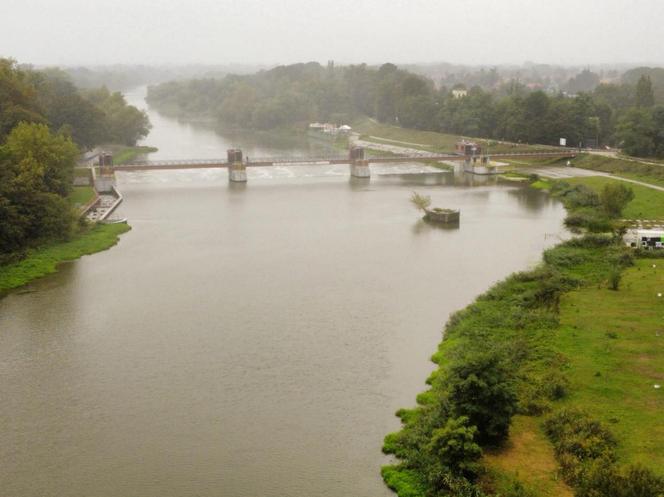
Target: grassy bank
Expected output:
[647,203]
[44,260]
[632,169]
[81,195]
[125,155]
[570,353]
[428,140]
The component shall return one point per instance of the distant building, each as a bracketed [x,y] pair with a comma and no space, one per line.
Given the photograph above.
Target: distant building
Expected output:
[329,128]
[459,93]
[465,147]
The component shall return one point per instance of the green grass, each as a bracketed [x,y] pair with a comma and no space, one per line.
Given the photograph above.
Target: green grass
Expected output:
[81,195]
[127,154]
[541,184]
[643,178]
[528,458]
[44,260]
[647,203]
[621,167]
[428,140]
[614,344]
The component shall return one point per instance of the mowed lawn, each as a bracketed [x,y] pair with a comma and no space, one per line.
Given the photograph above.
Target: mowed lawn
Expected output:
[81,195]
[614,341]
[647,203]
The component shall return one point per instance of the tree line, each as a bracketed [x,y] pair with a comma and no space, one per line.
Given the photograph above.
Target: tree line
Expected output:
[620,114]
[44,122]
[90,117]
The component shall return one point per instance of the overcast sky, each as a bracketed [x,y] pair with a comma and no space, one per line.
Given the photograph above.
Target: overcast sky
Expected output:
[70,32]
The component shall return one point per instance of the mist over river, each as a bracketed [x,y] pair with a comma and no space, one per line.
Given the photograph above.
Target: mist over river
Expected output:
[247,340]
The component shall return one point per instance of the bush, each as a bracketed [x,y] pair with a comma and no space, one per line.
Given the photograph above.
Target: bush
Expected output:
[579,441]
[603,478]
[589,240]
[590,219]
[614,279]
[453,446]
[481,387]
[615,197]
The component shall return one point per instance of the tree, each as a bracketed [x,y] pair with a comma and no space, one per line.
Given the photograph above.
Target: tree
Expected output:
[34,146]
[645,97]
[585,81]
[67,111]
[420,202]
[481,387]
[615,197]
[36,172]
[636,132]
[453,446]
[18,99]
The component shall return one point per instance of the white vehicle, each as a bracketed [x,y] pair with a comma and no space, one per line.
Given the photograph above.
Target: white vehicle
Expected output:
[645,238]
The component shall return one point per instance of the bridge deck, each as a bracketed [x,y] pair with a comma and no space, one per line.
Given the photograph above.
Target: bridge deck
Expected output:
[295,161]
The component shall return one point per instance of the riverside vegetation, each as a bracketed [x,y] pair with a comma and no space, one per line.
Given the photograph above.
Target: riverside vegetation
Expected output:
[44,120]
[628,114]
[568,352]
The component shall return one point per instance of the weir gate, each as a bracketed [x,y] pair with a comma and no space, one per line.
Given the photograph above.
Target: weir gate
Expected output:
[357,160]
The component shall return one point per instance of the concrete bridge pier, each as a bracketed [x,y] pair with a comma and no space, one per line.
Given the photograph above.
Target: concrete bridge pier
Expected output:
[359,166]
[237,170]
[360,169]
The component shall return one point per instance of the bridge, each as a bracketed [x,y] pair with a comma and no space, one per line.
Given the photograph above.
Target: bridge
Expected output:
[359,164]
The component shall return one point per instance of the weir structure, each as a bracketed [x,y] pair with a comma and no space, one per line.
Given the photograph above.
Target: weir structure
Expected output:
[359,164]
[237,169]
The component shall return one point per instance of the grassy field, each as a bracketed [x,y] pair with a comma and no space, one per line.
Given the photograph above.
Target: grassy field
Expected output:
[81,195]
[428,140]
[614,344]
[647,203]
[528,458]
[42,261]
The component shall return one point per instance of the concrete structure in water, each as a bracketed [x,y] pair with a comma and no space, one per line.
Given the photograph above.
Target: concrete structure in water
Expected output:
[359,166]
[237,169]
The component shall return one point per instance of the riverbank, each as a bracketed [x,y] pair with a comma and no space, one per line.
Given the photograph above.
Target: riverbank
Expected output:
[579,332]
[45,260]
[431,141]
[124,155]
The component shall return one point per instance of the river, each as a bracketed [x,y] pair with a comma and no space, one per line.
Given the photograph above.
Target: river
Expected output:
[247,340]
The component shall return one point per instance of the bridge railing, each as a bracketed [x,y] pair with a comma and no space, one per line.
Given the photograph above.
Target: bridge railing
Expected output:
[337,159]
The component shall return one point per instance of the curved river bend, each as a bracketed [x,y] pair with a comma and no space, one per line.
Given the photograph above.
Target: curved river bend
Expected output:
[246,341]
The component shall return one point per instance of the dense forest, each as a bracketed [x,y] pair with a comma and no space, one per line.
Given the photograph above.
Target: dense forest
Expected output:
[44,123]
[623,113]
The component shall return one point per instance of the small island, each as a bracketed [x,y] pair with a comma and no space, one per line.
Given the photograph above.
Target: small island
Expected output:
[436,214]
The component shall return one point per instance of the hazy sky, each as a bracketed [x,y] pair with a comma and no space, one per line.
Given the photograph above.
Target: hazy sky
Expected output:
[284,31]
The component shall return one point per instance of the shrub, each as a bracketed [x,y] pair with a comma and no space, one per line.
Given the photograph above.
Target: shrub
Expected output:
[614,279]
[481,387]
[602,478]
[453,446]
[590,219]
[579,441]
[589,240]
[615,197]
